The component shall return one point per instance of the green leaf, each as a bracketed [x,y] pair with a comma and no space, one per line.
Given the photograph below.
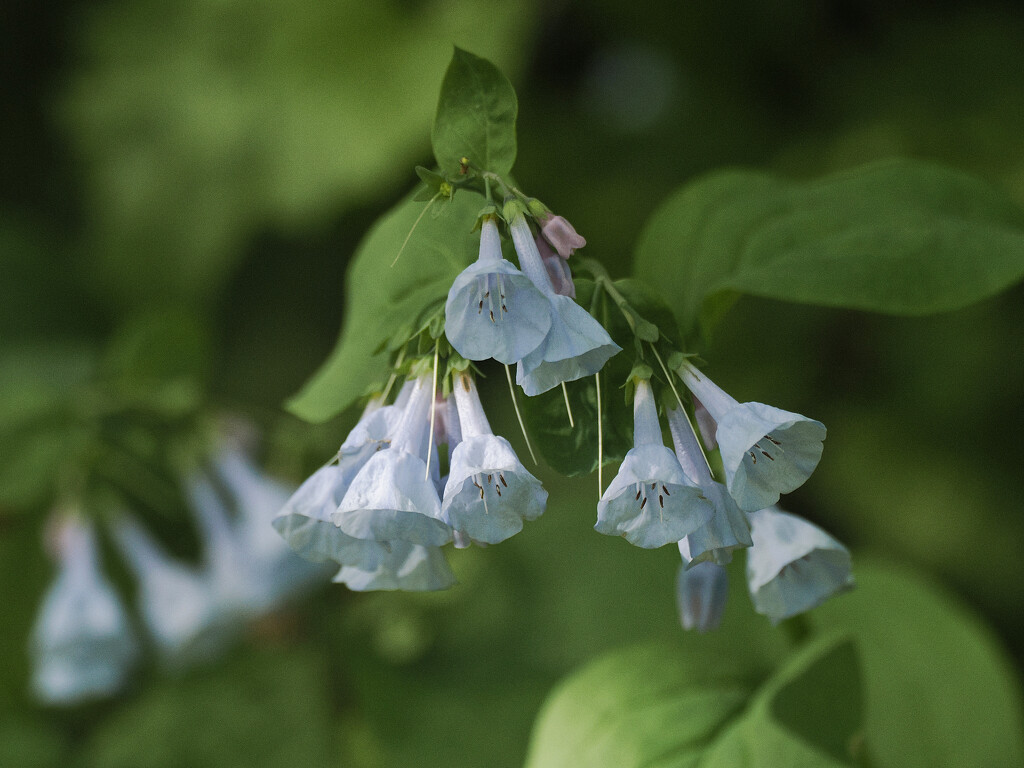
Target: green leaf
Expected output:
[900,237]
[385,295]
[572,450]
[683,704]
[939,691]
[476,116]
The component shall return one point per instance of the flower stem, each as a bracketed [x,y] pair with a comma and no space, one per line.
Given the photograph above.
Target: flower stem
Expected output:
[682,408]
[414,225]
[600,438]
[519,416]
[568,408]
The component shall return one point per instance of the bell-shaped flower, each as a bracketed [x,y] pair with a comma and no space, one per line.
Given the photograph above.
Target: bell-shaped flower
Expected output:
[576,345]
[177,603]
[493,310]
[651,501]
[728,529]
[701,593]
[409,567]
[765,451]
[793,565]
[82,645]
[392,498]
[305,520]
[489,492]
[561,234]
[558,269]
[258,498]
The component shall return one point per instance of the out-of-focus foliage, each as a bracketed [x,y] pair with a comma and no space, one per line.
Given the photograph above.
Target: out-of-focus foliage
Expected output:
[200,122]
[239,152]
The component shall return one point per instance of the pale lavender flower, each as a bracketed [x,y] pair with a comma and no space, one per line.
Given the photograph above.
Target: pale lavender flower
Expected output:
[765,451]
[728,529]
[576,345]
[493,310]
[177,602]
[701,594]
[82,645]
[793,565]
[557,267]
[651,501]
[489,492]
[392,498]
[409,567]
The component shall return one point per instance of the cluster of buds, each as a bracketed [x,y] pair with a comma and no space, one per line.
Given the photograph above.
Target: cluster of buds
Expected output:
[663,496]
[82,644]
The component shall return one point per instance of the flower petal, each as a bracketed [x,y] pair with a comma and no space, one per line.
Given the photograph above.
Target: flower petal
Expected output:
[408,567]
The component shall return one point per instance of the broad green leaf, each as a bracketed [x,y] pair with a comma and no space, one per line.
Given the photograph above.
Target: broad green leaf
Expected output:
[939,692]
[476,117]
[385,295]
[572,450]
[682,704]
[900,237]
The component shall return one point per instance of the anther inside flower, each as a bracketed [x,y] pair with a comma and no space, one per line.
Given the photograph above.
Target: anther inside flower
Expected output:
[650,502]
[576,345]
[489,492]
[493,309]
[765,451]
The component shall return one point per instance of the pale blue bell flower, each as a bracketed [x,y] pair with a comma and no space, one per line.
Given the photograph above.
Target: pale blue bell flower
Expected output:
[392,498]
[576,345]
[793,565]
[728,529]
[650,502]
[409,567]
[493,310]
[177,603]
[258,499]
[489,492]
[765,451]
[305,520]
[82,644]
[701,593]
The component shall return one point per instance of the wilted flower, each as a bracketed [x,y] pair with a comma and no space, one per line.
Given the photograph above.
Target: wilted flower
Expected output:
[493,309]
[576,345]
[793,565]
[409,567]
[489,492]
[177,603]
[727,529]
[701,594]
[392,498]
[651,501]
[765,451]
[82,645]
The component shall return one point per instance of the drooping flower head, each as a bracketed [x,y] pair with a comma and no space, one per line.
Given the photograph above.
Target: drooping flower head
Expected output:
[392,498]
[793,565]
[409,567]
[701,594]
[489,492]
[556,230]
[576,345]
[82,645]
[178,604]
[493,309]
[651,501]
[728,529]
[765,451]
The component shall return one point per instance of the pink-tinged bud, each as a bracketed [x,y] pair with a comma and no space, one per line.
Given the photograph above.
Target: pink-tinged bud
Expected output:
[557,268]
[561,234]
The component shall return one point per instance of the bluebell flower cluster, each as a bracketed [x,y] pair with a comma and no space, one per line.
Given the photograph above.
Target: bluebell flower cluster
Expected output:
[83,645]
[662,496]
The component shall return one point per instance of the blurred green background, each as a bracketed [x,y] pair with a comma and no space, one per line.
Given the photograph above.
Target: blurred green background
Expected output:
[217,161]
